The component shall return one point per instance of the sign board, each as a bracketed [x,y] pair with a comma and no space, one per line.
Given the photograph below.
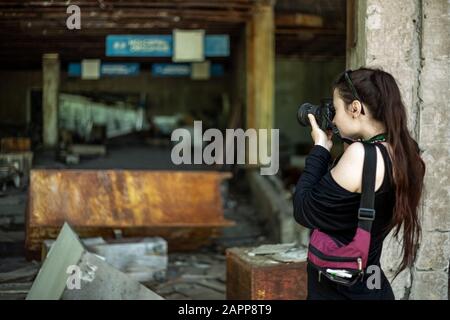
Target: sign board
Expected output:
[200,70]
[215,45]
[171,69]
[139,46]
[107,69]
[74,69]
[90,69]
[184,70]
[119,69]
[188,45]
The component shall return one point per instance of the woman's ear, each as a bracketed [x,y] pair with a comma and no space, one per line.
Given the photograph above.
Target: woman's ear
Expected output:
[355,108]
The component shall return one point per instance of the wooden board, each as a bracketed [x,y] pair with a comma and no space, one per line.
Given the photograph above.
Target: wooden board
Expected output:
[261,278]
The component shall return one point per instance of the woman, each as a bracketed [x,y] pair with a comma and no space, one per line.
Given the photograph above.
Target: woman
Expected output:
[368,107]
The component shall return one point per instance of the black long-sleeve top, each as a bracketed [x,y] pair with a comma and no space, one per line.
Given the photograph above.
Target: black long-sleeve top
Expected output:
[321,203]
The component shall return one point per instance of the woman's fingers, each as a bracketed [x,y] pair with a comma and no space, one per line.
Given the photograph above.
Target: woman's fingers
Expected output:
[312,120]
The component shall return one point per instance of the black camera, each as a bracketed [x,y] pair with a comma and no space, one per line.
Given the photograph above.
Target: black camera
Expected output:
[324,114]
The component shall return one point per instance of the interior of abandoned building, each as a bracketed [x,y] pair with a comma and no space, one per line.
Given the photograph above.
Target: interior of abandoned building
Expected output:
[87,116]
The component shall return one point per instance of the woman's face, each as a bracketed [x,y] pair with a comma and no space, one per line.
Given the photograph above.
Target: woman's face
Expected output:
[344,118]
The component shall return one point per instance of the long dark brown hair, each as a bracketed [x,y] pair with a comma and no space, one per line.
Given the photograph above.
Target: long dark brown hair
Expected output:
[379,92]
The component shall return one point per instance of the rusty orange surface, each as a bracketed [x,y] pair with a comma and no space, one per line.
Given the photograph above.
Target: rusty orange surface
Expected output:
[125,198]
[13,144]
[122,199]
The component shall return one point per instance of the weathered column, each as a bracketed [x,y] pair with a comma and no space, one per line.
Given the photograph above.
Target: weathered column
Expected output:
[430,275]
[50,74]
[409,39]
[260,67]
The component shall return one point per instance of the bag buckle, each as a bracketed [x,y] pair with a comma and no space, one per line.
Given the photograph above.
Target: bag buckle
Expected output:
[366,214]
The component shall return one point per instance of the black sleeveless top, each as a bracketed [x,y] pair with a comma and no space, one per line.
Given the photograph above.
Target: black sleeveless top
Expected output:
[321,203]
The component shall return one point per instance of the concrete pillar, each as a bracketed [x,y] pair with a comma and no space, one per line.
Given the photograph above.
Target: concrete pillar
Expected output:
[260,67]
[50,74]
[430,275]
[410,40]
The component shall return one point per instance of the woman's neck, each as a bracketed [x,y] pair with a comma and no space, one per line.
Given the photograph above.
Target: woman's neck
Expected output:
[372,130]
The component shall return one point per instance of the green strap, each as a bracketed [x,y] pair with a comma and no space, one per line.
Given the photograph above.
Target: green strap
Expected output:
[382,137]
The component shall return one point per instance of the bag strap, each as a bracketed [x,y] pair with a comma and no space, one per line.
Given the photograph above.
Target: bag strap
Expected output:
[366,212]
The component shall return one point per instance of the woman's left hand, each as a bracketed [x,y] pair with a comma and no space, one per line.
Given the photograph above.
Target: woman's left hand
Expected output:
[319,136]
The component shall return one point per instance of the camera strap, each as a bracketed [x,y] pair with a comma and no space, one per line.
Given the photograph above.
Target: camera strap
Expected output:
[366,212]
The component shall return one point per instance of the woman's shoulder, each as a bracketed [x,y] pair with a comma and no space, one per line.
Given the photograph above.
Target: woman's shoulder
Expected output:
[354,151]
[348,171]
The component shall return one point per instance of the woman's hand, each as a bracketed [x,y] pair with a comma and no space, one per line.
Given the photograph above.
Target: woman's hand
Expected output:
[319,136]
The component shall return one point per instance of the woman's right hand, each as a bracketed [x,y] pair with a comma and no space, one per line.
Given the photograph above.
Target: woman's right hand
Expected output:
[319,136]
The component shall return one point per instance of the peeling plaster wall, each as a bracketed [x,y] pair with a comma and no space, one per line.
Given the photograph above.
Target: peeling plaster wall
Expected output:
[409,39]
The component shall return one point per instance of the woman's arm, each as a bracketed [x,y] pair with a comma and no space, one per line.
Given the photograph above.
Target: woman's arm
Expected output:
[318,202]
[317,198]
[316,165]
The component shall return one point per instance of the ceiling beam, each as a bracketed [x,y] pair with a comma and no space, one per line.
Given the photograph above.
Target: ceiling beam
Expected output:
[298,20]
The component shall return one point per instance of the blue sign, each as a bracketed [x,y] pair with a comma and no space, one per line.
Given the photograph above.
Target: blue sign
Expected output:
[74,69]
[139,45]
[119,69]
[108,69]
[217,45]
[171,69]
[158,69]
[183,70]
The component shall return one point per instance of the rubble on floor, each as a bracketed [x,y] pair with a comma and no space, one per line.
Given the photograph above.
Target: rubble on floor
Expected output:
[101,281]
[16,277]
[141,259]
[199,276]
[71,272]
[189,276]
[194,275]
[12,220]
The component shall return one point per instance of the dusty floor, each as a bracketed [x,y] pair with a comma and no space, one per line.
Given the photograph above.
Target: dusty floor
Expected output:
[197,275]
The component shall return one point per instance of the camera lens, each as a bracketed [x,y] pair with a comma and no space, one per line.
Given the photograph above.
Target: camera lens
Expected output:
[304,110]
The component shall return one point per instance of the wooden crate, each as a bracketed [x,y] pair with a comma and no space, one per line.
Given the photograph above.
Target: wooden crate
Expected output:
[261,278]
